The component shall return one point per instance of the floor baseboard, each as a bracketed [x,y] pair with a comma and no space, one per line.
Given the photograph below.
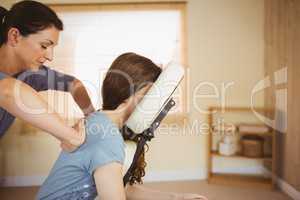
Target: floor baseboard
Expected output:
[151,176]
[22,181]
[288,189]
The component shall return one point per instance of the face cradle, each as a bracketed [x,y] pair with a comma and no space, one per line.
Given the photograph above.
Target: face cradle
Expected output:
[35,49]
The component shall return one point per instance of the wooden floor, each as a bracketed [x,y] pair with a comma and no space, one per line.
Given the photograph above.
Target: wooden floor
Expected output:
[212,191]
[242,181]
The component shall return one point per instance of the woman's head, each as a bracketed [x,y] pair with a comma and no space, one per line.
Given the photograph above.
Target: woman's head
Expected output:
[129,74]
[31,28]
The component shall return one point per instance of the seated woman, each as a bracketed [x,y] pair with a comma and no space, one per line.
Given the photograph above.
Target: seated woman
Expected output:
[96,167]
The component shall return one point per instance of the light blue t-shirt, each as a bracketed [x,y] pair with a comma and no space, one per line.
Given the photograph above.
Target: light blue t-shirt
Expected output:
[2,75]
[72,175]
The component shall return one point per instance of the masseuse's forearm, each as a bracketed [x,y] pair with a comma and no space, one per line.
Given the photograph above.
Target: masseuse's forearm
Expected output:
[81,97]
[24,102]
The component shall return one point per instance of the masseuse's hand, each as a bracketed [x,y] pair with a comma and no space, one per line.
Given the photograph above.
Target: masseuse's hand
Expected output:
[74,143]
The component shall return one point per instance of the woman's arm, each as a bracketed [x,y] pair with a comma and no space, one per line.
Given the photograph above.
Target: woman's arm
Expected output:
[81,97]
[109,182]
[24,102]
[140,192]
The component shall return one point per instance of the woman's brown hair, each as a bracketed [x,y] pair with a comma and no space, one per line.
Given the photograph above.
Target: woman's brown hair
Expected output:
[128,74]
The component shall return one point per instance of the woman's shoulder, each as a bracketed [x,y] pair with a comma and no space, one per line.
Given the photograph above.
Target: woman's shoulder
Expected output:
[98,124]
[3,75]
[99,118]
[104,139]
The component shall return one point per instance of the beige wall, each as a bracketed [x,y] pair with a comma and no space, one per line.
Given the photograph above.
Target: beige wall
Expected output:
[225,44]
[6,3]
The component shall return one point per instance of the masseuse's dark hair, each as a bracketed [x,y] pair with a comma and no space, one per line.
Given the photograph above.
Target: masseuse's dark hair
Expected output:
[28,17]
[127,75]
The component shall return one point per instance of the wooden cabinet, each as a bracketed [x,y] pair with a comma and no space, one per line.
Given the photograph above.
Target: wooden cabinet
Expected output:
[235,166]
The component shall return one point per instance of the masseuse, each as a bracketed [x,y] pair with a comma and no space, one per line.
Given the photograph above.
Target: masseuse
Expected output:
[28,33]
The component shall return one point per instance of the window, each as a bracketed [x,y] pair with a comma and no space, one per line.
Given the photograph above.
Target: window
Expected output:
[94,35]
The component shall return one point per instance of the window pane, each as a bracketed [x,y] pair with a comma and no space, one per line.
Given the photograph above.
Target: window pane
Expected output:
[93,39]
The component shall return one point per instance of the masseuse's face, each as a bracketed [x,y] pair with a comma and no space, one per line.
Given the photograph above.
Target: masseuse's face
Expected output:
[35,49]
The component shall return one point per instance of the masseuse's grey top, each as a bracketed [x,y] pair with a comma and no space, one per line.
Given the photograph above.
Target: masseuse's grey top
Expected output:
[43,79]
